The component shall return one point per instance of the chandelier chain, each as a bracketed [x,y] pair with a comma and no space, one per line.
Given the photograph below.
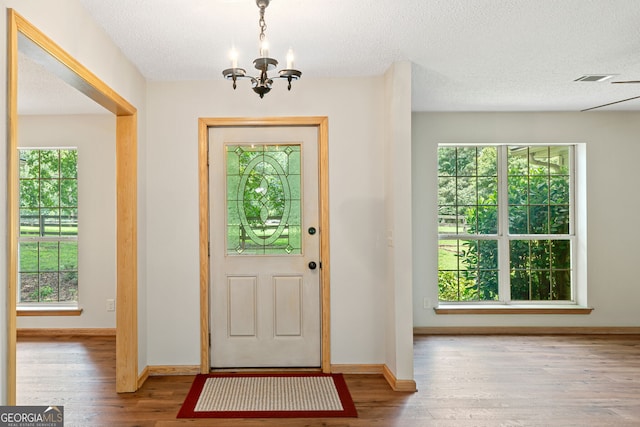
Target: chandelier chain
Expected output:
[262,24]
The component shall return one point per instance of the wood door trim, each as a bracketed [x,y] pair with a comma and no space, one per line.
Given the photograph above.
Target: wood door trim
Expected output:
[56,60]
[322,124]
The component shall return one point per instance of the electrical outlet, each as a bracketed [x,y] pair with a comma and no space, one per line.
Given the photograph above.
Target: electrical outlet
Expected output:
[111,305]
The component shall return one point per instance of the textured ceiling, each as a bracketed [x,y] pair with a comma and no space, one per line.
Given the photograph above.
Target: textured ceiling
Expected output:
[467,55]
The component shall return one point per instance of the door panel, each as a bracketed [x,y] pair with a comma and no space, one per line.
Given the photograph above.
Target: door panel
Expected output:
[265,300]
[242,306]
[288,306]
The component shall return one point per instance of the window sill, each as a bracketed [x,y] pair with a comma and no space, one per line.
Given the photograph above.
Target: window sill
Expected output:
[48,311]
[512,309]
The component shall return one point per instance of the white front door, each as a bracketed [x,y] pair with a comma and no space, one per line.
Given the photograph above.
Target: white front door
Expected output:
[264,246]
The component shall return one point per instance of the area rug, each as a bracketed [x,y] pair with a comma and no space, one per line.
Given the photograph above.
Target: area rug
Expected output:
[268,396]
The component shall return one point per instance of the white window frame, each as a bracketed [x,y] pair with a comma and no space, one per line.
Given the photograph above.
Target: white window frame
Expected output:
[38,239]
[577,226]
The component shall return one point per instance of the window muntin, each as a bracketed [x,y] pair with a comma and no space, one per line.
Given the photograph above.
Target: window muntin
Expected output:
[48,235]
[505,223]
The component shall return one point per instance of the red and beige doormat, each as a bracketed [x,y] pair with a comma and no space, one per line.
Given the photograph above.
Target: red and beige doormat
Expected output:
[268,396]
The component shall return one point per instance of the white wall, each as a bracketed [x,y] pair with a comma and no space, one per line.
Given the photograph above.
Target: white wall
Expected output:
[94,136]
[399,334]
[612,152]
[68,24]
[358,242]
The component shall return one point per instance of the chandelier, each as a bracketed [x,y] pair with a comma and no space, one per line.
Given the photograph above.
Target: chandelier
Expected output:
[262,83]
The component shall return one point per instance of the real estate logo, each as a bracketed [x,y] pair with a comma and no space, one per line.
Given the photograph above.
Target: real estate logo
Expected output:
[31,416]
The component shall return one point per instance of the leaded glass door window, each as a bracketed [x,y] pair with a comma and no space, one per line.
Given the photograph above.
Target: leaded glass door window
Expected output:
[263,199]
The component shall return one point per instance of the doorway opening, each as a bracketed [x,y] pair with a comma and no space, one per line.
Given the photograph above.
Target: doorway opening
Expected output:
[25,37]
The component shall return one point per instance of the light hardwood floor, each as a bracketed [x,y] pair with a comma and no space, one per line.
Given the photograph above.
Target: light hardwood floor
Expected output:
[463,381]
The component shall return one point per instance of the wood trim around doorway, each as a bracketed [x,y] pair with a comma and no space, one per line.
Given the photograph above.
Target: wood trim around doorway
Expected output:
[322,124]
[54,59]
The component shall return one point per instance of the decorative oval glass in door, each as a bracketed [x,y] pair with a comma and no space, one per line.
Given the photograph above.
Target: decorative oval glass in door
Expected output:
[264,214]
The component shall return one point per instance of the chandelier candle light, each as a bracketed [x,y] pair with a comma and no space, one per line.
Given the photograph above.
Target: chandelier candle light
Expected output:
[263,83]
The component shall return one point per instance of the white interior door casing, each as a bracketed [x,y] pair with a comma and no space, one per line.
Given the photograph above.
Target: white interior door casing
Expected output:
[265,306]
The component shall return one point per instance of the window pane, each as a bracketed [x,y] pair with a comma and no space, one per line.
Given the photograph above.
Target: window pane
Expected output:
[29,164]
[520,285]
[69,256]
[517,160]
[29,222]
[29,193]
[487,220]
[487,254]
[538,161]
[540,270]
[466,161]
[69,164]
[447,219]
[449,286]
[519,254]
[561,285]
[48,256]
[488,161]
[48,289]
[49,164]
[468,270]
[487,285]
[28,257]
[49,193]
[467,190]
[559,190]
[540,285]
[447,255]
[518,219]
[518,190]
[446,191]
[51,220]
[69,222]
[68,286]
[465,216]
[559,217]
[539,190]
[560,254]
[28,287]
[446,161]
[538,219]
[487,191]
[546,184]
[559,160]
[69,192]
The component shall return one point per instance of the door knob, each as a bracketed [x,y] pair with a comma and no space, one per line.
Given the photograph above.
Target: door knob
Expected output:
[312,265]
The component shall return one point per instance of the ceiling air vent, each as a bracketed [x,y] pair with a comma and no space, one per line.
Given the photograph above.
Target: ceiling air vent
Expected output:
[594,78]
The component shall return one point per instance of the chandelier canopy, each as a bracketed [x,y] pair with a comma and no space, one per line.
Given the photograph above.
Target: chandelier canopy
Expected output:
[262,83]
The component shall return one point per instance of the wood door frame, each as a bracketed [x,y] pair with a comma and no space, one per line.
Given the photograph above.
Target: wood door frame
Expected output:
[53,58]
[322,124]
